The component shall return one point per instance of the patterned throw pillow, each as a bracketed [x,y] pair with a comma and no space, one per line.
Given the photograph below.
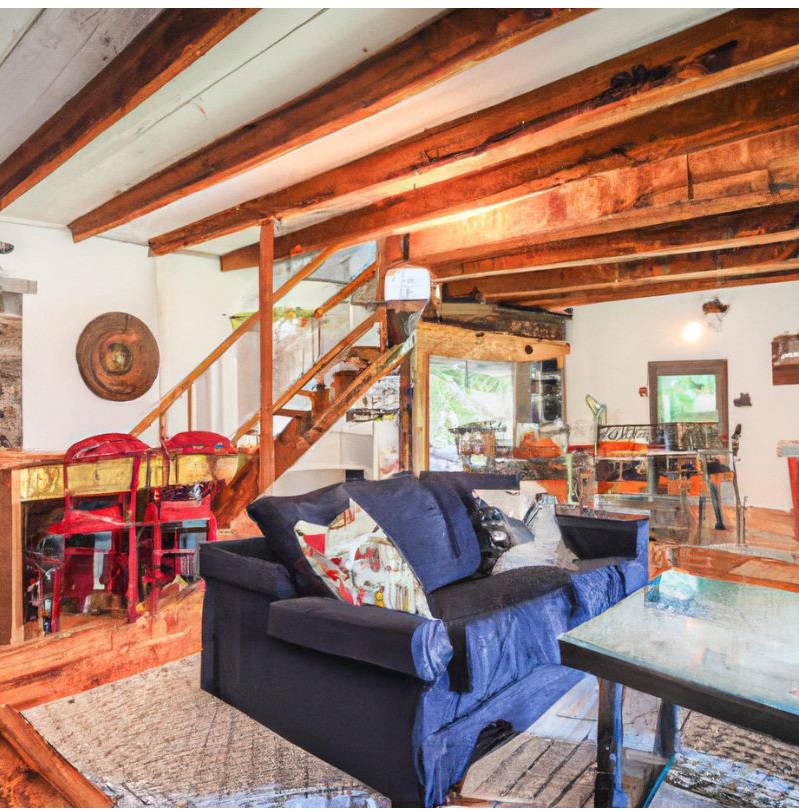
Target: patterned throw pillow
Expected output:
[358,562]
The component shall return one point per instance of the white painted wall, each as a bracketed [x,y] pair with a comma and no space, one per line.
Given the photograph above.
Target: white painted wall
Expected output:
[612,343]
[76,283]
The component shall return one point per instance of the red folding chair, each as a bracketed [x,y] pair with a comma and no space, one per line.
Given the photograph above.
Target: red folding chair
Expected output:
[100,498]
[183,504]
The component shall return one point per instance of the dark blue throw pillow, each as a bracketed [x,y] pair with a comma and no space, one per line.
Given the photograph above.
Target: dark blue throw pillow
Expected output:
[429,525]
[276,518]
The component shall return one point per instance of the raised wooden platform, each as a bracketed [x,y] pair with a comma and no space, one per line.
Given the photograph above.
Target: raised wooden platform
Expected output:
[100,650]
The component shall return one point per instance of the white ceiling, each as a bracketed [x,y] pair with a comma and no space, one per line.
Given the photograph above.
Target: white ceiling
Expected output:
[274,57]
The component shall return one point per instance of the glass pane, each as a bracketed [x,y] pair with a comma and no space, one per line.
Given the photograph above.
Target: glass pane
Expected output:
[465,392]
[687,398]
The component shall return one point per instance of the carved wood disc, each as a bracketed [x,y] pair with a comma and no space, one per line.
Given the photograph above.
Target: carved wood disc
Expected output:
[117,356]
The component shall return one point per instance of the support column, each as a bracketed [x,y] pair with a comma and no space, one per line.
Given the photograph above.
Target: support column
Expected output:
[405,422]
[266,447]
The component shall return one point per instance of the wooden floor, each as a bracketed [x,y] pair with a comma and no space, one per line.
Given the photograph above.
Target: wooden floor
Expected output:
[553,763]
[100,651]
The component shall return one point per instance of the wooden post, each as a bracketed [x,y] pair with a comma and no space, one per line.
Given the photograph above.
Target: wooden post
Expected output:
[266,450]
[405,425]
[11,584]
[421,386]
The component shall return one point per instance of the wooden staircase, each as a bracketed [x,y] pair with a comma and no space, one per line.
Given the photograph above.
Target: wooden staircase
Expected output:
[304,430]
[331,386]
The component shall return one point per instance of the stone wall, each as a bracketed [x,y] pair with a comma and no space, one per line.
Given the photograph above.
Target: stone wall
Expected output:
[10,381]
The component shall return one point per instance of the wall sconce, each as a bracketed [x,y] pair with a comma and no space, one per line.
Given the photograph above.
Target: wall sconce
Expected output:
[692,331]
[714,313]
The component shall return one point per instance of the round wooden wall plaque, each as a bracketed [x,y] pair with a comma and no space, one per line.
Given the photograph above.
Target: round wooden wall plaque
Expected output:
[117,356]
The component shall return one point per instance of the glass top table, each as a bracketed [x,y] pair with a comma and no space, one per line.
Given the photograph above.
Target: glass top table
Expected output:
[724,649]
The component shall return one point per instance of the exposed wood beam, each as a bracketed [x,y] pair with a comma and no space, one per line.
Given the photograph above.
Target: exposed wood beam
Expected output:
[437,52]
[168,45]
[739,229]
[734,112]
[734,47]
[751,173]
[603,295]
[627,274]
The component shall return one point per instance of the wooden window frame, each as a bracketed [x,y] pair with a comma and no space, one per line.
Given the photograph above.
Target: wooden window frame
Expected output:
[668,368]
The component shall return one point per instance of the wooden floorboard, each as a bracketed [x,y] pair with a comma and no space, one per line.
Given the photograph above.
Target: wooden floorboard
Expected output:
[557,770]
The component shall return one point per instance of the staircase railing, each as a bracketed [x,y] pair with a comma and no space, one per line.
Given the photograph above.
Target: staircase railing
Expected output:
[184,389]
[185,385]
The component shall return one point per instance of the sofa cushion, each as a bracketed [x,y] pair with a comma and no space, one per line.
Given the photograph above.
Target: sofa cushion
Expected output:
[276,518]
[430,528]
[359,563]
[474,597]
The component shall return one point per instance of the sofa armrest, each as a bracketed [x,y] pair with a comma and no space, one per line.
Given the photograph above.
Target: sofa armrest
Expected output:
[398,641]
[245,563]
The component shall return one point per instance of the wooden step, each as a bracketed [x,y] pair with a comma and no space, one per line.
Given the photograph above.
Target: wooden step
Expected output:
[305,429]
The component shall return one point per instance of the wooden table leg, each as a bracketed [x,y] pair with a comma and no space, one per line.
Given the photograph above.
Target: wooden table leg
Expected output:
[608,791]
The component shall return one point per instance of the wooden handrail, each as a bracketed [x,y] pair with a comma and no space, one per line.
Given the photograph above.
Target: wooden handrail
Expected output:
[168,399]
[306,271]
[326,360]
[245,427]
[346,291]
[185,385]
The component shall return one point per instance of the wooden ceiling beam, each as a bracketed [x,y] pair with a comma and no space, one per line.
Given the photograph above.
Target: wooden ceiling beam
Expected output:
[169,44]
[751,173]
[732,48]
[738,229]
[629,273]
[446,47]
[589,295]
[682,130]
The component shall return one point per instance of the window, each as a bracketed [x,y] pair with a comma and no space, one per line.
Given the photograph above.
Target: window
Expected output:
[689,391]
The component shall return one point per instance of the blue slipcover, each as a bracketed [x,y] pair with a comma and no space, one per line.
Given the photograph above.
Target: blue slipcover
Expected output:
[399,701]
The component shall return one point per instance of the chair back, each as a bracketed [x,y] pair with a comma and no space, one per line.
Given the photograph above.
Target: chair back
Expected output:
[106,464]
[198,443]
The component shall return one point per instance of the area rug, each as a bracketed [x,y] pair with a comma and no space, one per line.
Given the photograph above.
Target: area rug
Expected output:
[157,740]
[734,767]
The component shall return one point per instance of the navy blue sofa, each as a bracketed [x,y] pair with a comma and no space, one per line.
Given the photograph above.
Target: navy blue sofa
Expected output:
[401,702]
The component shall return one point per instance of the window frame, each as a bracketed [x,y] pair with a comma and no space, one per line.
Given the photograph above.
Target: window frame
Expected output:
[676,368]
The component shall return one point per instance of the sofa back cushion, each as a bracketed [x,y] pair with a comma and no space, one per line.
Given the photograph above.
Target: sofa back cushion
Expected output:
[276,518]
[359,563]
[428,524]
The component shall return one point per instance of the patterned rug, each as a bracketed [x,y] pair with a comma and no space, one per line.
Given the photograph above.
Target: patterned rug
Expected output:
[735,767]
[157,740]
